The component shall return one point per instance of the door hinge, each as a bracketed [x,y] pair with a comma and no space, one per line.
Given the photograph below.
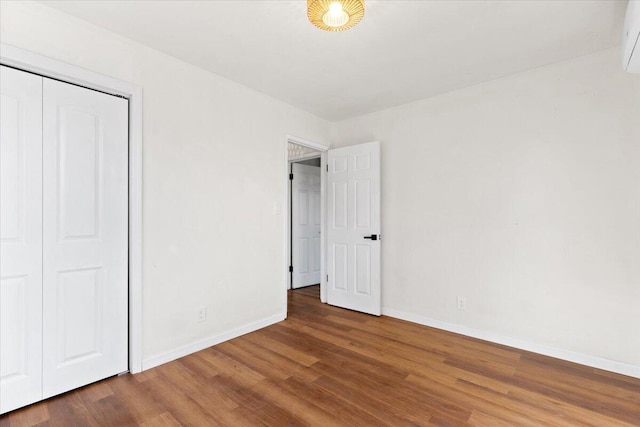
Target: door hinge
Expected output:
[327,278]
[327,168]
[291,176]
[291,269]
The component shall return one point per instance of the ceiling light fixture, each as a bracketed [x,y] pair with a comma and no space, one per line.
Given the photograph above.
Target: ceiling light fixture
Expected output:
[335,15]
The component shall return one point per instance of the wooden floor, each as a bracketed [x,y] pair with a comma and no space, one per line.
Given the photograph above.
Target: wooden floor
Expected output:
[325,366]
[312,291]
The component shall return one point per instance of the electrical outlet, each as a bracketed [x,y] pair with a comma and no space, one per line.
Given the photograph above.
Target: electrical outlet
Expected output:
[202,314]
[461,303]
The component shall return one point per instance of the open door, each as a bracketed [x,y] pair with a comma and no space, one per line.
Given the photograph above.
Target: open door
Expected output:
[353,228]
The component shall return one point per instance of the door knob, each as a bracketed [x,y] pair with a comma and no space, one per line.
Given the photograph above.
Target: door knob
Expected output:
[372,237]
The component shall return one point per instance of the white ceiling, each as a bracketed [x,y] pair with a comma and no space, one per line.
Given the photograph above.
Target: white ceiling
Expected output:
[402,50]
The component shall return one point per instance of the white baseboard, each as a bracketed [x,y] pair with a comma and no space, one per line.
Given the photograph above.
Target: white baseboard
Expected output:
[168,356]
[570,356]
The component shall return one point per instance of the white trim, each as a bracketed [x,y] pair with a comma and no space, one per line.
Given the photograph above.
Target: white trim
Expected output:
[568,355]
[287,217]
[323,225]
[201,344]
[135,231]
[306,143]
[28,61]
[24,60]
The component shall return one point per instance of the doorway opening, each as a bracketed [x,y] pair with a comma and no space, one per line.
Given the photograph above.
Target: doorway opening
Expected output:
[349,224]
[305,243]
[305,212]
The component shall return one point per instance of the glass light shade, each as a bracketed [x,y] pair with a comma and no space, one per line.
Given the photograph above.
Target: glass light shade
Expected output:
[335,15]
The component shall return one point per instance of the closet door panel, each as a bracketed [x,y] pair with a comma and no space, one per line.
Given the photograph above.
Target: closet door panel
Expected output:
[20,238]
[85,236]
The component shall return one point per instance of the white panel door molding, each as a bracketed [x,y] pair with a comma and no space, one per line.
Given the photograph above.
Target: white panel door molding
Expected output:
[305,220]
[21,239]
[353,229]
[85,171]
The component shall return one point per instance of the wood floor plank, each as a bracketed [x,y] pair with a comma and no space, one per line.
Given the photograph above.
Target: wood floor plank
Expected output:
[252,409]
[327,351]
[486,405]
[615,408]
[325,366]
[480,419]
[590,383]
[111,410]
[232,367]
[163,420]
[563,409]
[254,361]
[200,365]
[333,390]
[31,415]
[310,413]
[68,410]
[393,392]
[311,291]
[135,396]
[279,361]
[286,350]
[96,391]
[180,404]
[346,412]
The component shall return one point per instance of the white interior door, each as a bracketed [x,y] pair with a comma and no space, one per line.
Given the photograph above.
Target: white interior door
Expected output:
[305,220]
[21,239]
[85,249]
[353,229]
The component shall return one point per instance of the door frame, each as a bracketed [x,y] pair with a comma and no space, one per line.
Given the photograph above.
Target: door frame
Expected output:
[310,156]
[322,149]
[27,61]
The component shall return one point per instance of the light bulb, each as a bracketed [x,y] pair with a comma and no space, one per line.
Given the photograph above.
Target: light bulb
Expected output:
[335,17]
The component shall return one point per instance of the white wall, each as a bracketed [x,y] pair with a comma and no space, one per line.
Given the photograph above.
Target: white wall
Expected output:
[214,154]
[523,196]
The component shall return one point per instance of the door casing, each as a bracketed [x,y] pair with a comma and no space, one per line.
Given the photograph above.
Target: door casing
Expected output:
[47,67]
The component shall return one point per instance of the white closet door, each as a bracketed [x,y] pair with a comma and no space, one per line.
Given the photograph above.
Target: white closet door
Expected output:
[85,146]
[21,239]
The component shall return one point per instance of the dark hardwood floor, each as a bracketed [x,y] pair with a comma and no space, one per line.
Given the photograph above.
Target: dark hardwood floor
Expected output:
[325,366]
